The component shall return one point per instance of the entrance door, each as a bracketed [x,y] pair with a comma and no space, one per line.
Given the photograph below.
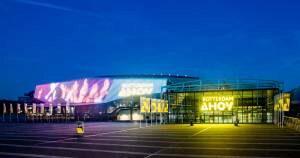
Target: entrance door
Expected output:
[215,118]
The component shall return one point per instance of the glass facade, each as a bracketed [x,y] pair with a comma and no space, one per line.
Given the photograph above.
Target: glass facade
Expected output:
[222,106]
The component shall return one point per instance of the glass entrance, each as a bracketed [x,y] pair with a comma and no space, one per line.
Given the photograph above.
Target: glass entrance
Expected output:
[249,106]
[215,118]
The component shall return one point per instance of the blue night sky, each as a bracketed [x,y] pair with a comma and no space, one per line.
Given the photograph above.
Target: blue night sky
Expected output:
[43,41]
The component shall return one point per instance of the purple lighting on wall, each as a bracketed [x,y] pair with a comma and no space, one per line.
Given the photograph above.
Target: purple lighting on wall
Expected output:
[76,92]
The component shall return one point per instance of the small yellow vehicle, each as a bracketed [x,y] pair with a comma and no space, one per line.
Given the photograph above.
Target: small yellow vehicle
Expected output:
[80,128]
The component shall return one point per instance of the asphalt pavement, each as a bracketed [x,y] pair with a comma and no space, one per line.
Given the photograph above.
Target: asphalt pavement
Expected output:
[122,140]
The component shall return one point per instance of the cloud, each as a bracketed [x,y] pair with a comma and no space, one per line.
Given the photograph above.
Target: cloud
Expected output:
[42,4]
[58,7]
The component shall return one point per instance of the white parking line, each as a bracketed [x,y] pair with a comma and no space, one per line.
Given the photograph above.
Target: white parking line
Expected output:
[201,131]
[125,130]
[87,136]
[184,142]
[87,144]
[33,136]
[57,129]
[150,141]
[210,135]
[184,138]
[161,150]
[139,138]
[179,147]
[16,139]
[123,152]
[30,155]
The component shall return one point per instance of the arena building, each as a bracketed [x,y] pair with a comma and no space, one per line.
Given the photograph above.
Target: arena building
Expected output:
[173,99]
[112,97]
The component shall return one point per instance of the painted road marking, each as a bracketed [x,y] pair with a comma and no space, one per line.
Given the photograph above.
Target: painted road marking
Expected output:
[199,138]
[217,135]
[149,146]
[161,150]
[201,131]
[202,142]
[30,155]
[87,136]
[32,136]
[170,147]
[122,152]
[290,139]
[164,147]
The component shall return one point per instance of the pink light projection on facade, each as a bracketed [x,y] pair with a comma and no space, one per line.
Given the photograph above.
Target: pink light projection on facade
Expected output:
[74,92]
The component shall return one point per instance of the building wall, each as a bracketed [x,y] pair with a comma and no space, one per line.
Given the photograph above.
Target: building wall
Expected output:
[295,103]
[96,90]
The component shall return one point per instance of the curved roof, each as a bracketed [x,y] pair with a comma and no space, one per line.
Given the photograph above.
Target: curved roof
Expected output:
[171,78]
[210,85]
[147,76]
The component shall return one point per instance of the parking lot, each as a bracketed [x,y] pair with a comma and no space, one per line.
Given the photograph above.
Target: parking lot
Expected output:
[112,139]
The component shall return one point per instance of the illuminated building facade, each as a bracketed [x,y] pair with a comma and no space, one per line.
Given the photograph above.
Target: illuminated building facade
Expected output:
[114,97]
[250,101]
[175,99]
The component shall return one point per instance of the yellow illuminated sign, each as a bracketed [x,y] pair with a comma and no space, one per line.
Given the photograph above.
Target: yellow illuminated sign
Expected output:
[153,105]
[159,106]
[145,105]
[282,102]
[166,106]
[154,108]
[217,103]
[162,106]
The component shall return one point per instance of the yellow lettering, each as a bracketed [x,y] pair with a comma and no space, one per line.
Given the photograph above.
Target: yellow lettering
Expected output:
[221,106]
[220,103]
[204,107]
[229,105]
